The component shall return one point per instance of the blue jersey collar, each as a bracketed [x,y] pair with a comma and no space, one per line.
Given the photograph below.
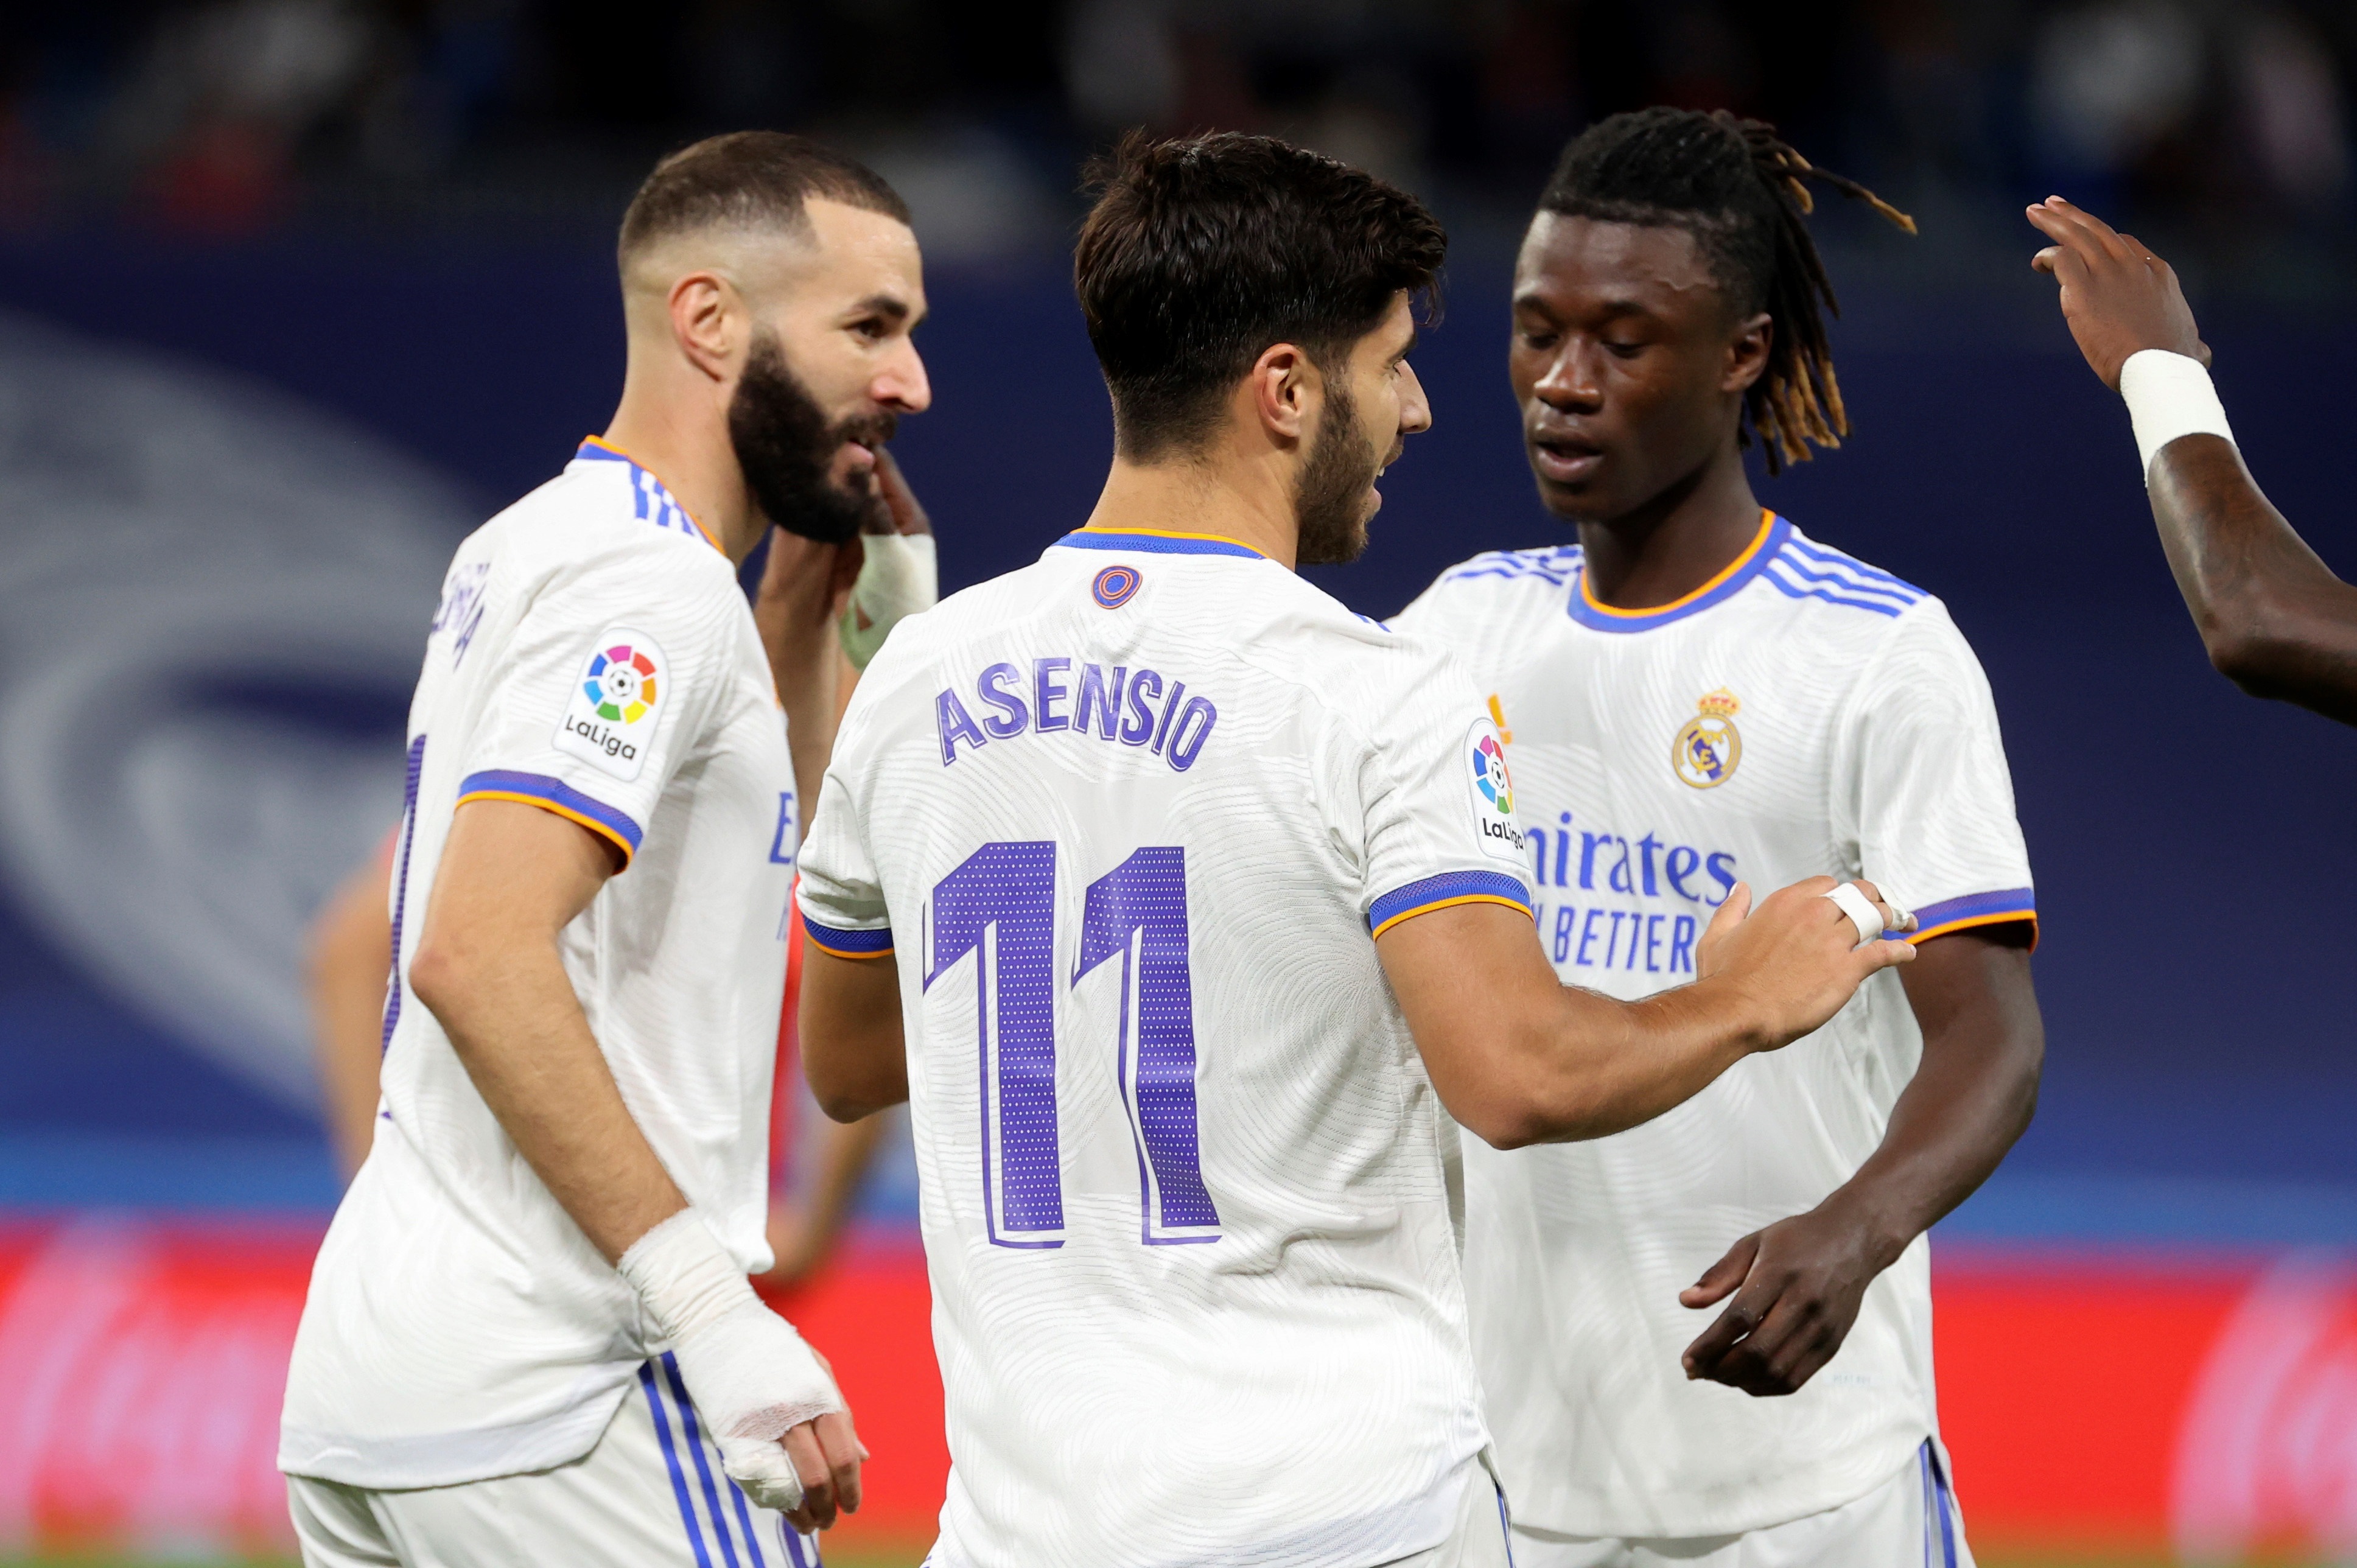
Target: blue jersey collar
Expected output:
[1584,607]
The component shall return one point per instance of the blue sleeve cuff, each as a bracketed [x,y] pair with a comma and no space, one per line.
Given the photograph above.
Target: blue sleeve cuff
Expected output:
[1439,892]
[1977,909]
[845,941]
[554,795]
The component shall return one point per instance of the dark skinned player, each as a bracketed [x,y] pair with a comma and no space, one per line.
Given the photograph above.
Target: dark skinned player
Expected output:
[1698,693]
[2274,618]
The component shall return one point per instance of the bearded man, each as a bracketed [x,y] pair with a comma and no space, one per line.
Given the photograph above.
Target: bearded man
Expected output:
[530,1336]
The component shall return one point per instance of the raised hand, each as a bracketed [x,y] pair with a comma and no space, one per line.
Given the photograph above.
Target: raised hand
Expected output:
[898,510]
[2118,297]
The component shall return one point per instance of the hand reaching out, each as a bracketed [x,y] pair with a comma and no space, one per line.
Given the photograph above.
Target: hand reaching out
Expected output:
[1797,955]
[2118,297]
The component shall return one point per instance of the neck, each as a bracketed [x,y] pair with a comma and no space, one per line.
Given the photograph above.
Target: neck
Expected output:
[683,441]
[1254,507]
[1677,541]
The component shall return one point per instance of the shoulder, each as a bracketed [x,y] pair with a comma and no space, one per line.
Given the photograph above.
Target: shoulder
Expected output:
[1496,581]
[1805,570]
[582,530]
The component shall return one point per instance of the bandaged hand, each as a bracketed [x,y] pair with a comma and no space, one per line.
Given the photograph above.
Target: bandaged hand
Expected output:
[899,577]
[752,1378]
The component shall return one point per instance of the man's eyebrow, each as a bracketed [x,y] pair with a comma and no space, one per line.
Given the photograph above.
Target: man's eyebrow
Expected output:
[1413,337]
[891,306]
[1533,300]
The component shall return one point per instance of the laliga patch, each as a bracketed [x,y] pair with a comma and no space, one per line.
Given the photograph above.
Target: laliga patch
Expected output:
[1490,790]
[617,701]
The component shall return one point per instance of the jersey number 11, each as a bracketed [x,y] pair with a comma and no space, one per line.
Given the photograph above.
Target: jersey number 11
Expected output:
[1000,905]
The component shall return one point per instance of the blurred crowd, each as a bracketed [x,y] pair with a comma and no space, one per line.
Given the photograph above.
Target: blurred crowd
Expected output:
[2223,128]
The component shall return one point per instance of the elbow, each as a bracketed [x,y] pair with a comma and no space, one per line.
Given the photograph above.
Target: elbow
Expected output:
[842,1092]
[439,973]
[1516,1119]
[2238,653]
[839,1102]
[2252,642]
[1502,1128]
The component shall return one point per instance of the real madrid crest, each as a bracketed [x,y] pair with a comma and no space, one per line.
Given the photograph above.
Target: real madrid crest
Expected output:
[1706,750]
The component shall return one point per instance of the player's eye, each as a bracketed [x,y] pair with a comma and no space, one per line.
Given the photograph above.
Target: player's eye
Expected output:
[1536,338]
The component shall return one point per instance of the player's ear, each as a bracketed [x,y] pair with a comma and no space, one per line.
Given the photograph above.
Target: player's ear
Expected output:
[1280,385]
[1746,352]
[707,321]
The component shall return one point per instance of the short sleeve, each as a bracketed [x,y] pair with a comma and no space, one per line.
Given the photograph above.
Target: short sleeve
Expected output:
[604,689]
[842,901]
[1439,802]
[1932,797]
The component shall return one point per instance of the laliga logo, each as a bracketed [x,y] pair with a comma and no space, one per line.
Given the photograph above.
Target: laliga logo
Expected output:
[1493,812]
[1490,777]
[621,684]
[2268,1452]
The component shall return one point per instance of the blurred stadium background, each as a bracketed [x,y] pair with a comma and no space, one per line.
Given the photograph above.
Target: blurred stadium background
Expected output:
[293,293]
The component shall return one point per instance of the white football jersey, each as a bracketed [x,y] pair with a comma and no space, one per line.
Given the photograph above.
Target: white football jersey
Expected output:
[1802,713]
[1126,819]
[593,656]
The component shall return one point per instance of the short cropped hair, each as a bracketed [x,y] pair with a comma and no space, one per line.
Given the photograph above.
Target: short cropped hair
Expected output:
[749,179]
[1201,252]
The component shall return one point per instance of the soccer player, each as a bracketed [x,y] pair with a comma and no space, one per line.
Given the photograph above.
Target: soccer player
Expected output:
[2274,618]
[1700,694]
[351,936]
[530,1336]
[1184,1131]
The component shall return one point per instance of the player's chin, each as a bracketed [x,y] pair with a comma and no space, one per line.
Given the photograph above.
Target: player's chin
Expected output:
[1584,501]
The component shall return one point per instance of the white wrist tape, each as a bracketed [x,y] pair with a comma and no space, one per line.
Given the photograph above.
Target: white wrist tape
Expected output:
[684,1275]
[899,577]
[747,1372]
[2169,395]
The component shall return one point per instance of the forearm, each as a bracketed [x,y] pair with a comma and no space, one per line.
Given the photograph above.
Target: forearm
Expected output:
[849,1147]
[517,1027]
[1971,1098]
[1607,1066]
[2273,617]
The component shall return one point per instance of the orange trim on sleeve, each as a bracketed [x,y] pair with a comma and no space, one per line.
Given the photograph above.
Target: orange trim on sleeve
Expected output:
[1445,903]
[1968,922]
[592,824]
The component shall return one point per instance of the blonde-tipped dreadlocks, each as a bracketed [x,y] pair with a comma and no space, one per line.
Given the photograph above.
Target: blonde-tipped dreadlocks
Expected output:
[1743,194]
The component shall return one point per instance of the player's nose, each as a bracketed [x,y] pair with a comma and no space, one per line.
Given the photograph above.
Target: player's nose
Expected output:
[902,384]
[1415,409]
[1568,382]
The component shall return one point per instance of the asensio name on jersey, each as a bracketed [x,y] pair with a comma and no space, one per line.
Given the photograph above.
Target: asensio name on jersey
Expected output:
[593,655]
[1801,712]
[1191,1205]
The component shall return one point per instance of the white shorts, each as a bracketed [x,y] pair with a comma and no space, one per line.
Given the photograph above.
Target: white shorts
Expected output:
[1479,1539]
[651,1494]
[1908,1522]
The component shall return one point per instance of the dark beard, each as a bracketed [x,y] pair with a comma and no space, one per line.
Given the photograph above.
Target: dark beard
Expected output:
[1330,500]
[785,445]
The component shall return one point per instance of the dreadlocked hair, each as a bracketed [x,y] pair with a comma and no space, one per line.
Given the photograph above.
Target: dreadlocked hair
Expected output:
[1743,193]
